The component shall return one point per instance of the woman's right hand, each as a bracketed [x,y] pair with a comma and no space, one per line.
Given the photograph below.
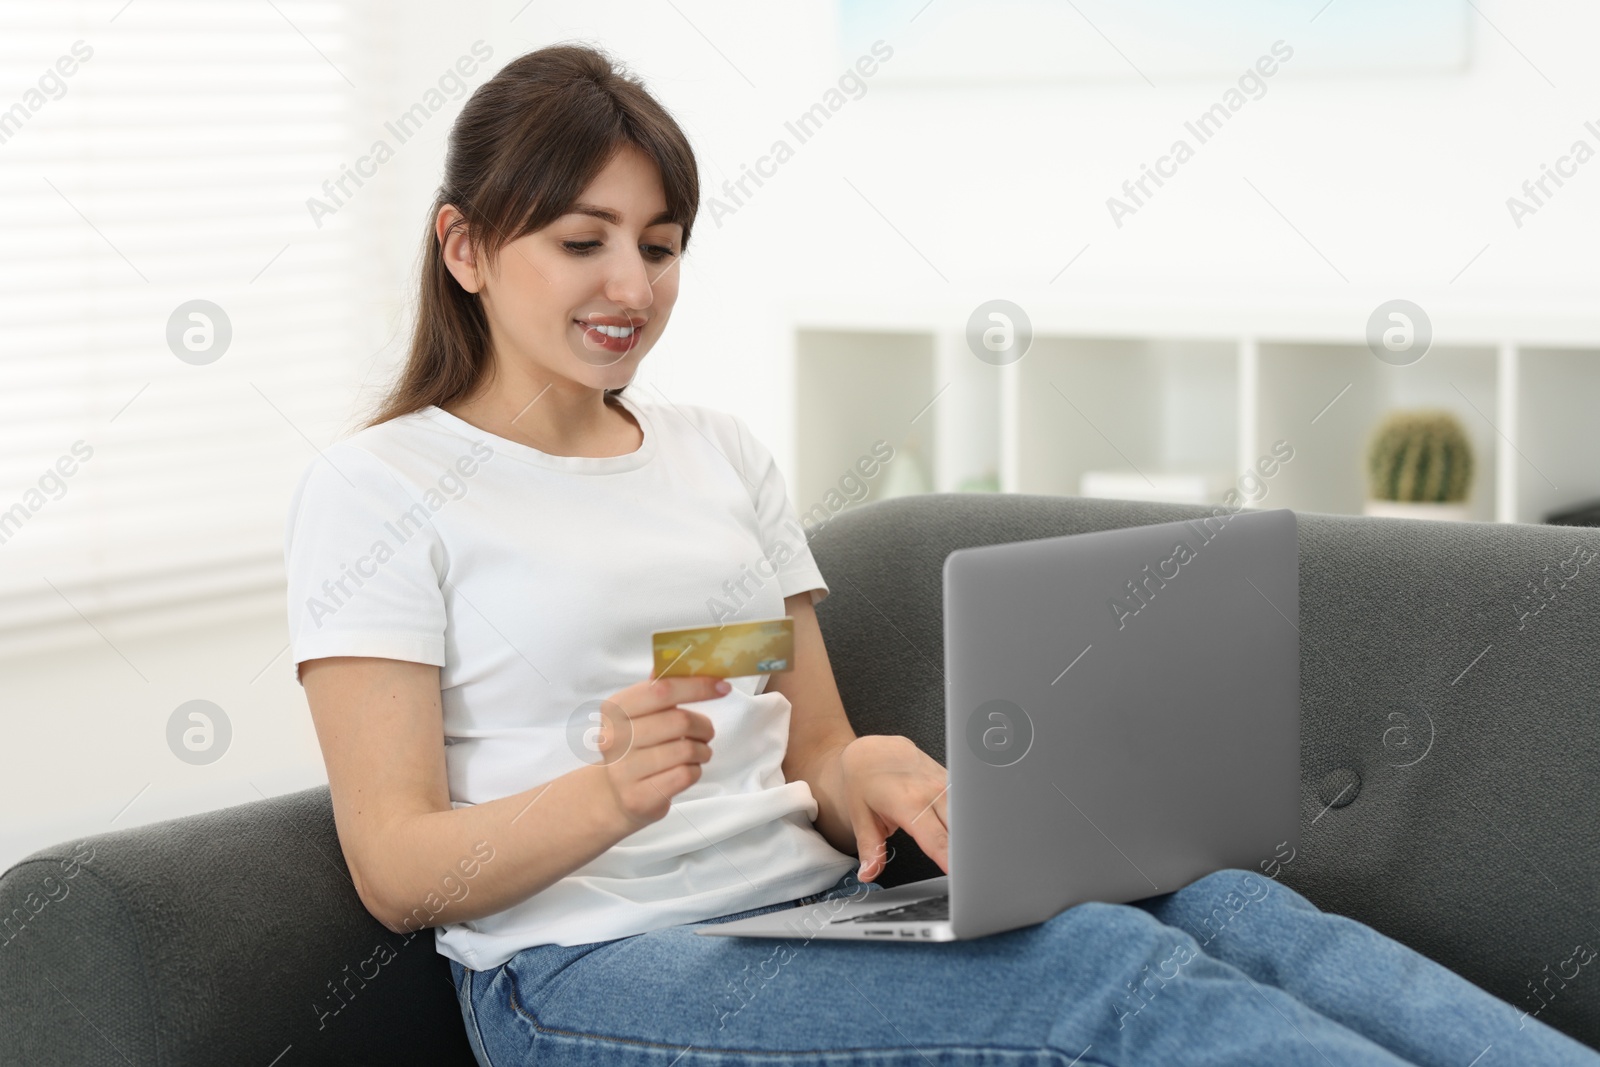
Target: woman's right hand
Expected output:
[650,747]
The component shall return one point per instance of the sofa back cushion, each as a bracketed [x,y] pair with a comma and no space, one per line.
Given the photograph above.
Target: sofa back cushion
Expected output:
[1450,716]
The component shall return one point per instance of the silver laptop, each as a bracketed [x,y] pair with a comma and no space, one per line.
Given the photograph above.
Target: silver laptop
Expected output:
[1122,717]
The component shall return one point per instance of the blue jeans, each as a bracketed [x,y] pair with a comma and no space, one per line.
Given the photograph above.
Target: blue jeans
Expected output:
[1235,968]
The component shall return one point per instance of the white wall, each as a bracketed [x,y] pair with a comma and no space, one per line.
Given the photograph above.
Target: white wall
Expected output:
[1398,179]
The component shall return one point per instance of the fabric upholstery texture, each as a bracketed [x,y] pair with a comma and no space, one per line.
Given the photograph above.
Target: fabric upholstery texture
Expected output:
[1449,757]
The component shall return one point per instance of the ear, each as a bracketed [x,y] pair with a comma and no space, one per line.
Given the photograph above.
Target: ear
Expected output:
[460,258]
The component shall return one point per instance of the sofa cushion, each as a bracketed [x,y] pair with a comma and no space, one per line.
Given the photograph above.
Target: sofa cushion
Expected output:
[1450,750]
[1449,797]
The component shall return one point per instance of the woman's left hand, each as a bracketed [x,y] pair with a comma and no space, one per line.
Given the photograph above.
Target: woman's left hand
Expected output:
[890,784]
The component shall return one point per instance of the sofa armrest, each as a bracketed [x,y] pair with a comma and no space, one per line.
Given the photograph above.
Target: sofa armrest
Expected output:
[233,936]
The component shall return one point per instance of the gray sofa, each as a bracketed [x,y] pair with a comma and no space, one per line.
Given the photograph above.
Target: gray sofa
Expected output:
[1450,770]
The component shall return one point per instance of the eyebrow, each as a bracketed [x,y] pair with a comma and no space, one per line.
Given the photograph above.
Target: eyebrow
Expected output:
[611,216]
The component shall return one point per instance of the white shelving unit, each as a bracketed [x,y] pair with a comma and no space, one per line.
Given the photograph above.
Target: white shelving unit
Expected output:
[1109,385]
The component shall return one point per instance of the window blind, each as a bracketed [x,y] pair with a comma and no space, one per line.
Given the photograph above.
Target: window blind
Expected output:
[153,155]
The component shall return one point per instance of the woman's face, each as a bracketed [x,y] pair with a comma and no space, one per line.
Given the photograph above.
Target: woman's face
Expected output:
[610,261]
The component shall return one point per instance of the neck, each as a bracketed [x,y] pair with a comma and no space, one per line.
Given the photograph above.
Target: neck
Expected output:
[545,411]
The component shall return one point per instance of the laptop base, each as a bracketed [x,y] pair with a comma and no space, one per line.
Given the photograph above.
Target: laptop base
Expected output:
[836,919]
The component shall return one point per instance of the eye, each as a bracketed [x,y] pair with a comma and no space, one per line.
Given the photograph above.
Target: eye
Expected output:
[655,253]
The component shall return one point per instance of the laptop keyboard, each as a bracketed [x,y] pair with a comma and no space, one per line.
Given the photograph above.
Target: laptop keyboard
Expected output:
[928,909]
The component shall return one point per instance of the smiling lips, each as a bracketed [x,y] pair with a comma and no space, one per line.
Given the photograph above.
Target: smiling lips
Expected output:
[611,332]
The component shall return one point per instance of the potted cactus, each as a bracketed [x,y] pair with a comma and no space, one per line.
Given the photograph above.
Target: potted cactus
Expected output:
[1419,466]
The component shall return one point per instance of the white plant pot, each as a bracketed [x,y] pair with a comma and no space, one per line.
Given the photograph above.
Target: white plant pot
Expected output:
[1406,509]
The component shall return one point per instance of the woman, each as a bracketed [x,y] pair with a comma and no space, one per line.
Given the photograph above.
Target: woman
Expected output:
[473,581]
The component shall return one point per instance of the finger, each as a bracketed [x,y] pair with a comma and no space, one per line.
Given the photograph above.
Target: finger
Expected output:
[869,853]
[933,837]
[877,861]
[647,697]
[871,840]
[935,806]
[621,734]
[667,725]
[929,827]
[674,779]
[700,726]
[653,759]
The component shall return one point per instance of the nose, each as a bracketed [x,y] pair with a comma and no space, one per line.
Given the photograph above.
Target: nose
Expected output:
[629,282]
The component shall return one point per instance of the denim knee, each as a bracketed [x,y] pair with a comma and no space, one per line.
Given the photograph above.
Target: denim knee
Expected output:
[1248,885]
[1126,935]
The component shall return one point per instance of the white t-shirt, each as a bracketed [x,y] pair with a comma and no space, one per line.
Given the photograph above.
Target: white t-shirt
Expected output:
[533,582]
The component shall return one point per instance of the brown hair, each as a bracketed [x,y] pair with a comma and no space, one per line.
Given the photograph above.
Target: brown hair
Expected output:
[525,146]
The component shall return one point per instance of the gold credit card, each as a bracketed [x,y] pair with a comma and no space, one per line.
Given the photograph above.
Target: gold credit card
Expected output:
[731,650]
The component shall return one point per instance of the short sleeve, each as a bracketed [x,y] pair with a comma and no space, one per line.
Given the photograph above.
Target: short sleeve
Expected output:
[783,538]
[365,565]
